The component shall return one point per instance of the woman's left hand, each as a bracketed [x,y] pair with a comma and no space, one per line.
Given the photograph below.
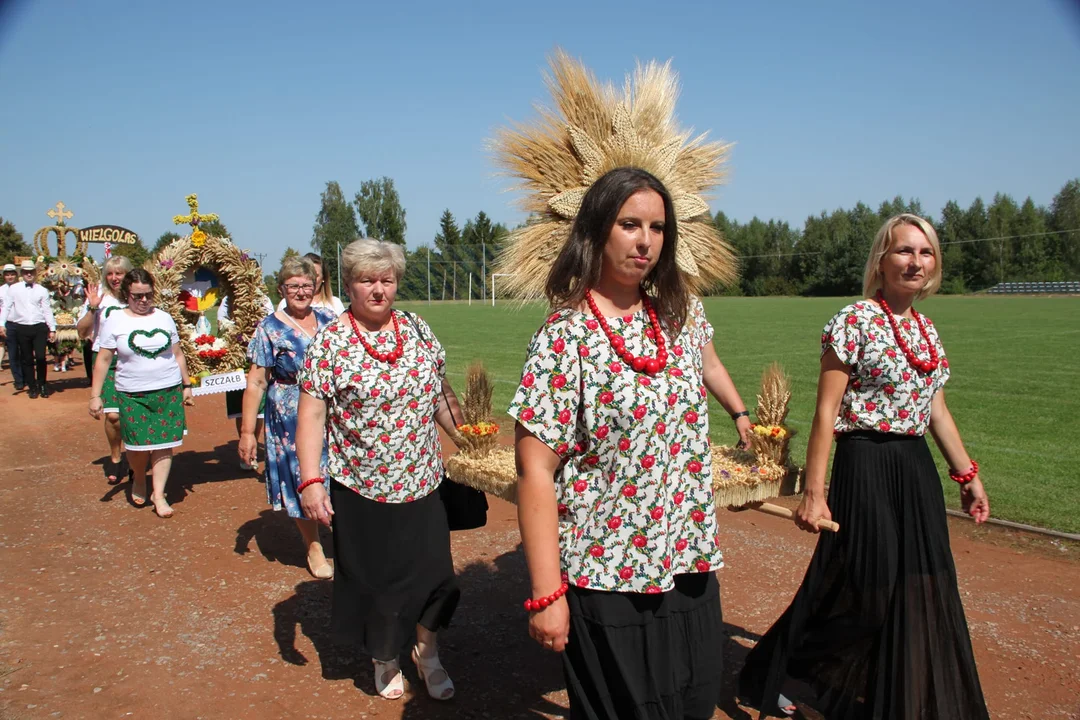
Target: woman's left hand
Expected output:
[974,500]
[742,425]
[189,399]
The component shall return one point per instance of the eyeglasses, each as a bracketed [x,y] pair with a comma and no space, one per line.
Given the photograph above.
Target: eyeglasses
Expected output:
[293,288]
[142,296]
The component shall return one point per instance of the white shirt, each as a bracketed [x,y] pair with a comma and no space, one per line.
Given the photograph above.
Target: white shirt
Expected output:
[267,306]
[27,305]
[334,304]
[106,307]
[3,294]
[153,334]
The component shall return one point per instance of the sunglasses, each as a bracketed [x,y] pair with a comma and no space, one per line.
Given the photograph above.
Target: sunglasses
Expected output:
[142,296]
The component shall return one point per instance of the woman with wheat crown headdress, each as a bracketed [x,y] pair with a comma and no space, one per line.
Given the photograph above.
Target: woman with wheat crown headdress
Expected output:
[615,500]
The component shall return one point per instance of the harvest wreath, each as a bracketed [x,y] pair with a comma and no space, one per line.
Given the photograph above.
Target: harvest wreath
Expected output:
[241,281]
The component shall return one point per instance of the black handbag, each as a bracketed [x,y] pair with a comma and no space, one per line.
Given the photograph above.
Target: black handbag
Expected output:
[466,507]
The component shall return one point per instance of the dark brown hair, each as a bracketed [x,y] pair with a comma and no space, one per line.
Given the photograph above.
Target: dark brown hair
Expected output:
[138,275]
[577,268]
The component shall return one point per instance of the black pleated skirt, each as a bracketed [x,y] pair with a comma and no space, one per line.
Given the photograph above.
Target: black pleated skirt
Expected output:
[877,627]
[392,571]
[633,656]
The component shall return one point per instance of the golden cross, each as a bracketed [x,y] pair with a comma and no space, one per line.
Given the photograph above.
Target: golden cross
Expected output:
[60,213]
[193,218]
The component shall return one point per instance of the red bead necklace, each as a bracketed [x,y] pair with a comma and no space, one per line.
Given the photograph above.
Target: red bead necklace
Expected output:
[391,356]
[649,365]
[923,366]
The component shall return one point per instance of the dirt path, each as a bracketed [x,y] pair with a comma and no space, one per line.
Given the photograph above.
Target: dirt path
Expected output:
[107,611]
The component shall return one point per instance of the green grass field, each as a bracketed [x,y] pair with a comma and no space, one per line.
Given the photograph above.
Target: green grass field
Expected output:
[1013,391]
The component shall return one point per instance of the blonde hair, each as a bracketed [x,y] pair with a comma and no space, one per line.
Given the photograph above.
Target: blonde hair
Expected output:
[295,266]
[113,263]
[883,243]
[370,255]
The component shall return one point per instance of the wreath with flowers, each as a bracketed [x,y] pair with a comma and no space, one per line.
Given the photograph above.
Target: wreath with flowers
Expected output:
[241,281]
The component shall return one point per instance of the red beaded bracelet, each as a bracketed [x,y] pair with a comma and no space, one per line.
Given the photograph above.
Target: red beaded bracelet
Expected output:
[538,605]
[304,484]
[966,477]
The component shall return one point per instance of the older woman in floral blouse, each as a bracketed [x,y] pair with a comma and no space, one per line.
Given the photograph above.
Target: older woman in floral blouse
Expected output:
[615,492]
[372,384]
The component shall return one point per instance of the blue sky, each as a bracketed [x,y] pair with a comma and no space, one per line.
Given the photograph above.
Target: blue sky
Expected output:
[120,109]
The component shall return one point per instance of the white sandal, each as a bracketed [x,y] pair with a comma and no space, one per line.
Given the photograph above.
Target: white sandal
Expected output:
[427,667]
[393,690]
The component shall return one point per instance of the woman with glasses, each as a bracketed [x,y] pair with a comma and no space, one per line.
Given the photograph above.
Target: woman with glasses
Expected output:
[152,385]
[276,353]
[324,296]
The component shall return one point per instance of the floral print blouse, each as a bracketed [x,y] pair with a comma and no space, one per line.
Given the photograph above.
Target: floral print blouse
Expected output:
[884,393]
[635,484]
[382,436]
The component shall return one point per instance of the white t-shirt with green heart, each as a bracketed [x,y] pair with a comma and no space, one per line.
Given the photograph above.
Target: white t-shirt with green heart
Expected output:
[144,346]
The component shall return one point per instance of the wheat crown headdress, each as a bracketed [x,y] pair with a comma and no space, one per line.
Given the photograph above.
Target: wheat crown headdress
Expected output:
[594,129]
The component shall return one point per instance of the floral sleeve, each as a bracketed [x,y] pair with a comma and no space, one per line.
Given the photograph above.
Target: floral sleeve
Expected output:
[547,400]
[434,346]
[261,349]
[703,330]
[943,363]
[317,375]
[844,334]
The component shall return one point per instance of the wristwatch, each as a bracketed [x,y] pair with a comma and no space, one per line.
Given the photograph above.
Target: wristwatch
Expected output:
[744,413]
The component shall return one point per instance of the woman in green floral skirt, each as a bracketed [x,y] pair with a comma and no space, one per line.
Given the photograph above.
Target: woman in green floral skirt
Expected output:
[152,385]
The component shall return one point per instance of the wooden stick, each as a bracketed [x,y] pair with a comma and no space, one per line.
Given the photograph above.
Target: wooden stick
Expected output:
[778,511]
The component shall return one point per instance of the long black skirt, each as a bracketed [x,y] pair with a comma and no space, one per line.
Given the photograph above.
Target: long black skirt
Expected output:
[877,627]
[633,656]
[392,571]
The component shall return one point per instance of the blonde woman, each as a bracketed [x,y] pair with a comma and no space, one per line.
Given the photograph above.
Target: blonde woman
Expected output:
[101,301]
[877,625]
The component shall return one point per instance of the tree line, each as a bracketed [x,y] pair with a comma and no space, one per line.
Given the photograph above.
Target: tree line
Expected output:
[982,244]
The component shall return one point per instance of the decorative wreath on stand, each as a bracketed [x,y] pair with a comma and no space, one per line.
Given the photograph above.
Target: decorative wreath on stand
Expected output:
[241,281]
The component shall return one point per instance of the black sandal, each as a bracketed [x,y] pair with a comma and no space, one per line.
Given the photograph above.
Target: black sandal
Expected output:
[112,471]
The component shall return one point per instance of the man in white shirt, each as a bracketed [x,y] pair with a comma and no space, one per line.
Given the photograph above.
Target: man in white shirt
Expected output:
[11,276]
[27,306]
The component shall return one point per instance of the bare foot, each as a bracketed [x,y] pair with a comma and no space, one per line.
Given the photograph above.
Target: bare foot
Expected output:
[162,508]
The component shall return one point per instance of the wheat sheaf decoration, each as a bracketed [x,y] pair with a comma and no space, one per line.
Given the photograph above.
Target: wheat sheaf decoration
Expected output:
[594,128]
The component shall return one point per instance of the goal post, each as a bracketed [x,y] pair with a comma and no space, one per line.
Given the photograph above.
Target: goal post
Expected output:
[493,276]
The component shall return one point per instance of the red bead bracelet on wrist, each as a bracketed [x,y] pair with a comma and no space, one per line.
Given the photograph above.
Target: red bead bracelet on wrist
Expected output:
[538,605]
[312,481]
[967,477]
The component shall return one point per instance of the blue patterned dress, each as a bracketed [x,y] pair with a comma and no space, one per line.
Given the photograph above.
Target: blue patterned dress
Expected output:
[280,347]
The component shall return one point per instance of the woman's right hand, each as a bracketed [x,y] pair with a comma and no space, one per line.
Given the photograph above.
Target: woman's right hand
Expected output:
[248,449]
[315,502]
[812,508]
[93,294]
[551,626]
[96,406]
